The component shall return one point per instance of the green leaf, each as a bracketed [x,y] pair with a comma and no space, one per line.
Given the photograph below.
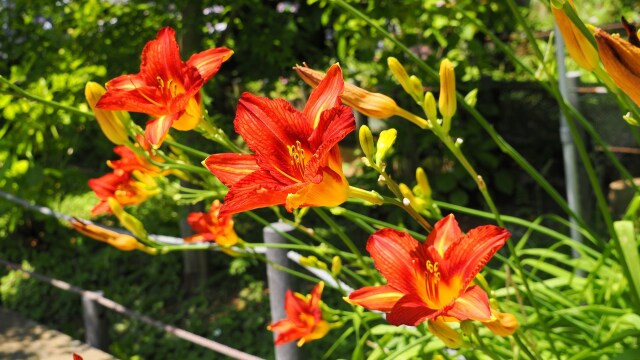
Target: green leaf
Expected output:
[626,233]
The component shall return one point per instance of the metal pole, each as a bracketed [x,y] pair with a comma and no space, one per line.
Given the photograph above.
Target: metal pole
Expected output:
[568,151]
[95,324]
[279,283]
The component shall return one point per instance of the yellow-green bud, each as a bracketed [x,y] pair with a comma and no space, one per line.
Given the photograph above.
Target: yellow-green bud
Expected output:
[312,261]
[112,123]
[471,98]
[631,120]
[336,266]
[447,100]
[366,140]
[429,107]
[449,336]
[417,90]
[385,142]
[423,182]
[400,74]
[127,220]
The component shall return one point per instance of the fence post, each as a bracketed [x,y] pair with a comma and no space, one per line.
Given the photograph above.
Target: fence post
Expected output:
[279,282]
[95,324]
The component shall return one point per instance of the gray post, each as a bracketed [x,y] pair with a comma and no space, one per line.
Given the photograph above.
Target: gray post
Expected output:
[279,283]
[567,89]
[95,325]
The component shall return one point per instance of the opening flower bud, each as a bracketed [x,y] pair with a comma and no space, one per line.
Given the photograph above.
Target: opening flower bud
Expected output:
[579,46]
[385,142]
[112,123]
[370,104]
[621,60]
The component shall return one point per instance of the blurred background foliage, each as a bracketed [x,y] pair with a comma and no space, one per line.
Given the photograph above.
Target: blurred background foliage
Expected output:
[52,48]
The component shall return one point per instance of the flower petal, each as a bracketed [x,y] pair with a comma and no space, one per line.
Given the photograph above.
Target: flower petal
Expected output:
[157,129]
[319,331]
[161,57]
[316,294]
[208,62]
[334,125]
[325,96]
[128,93]
[467,256]
[332,190]
[256,190]
[379,298]
[409,310]
[473,304]
[231,167]
[444,233]
[394,253]
[269,127]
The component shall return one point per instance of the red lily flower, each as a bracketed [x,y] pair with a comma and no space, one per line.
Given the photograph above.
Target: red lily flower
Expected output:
[297,161]
[304,318]
[210,227]
[431,280]
[130,161]
[122,187]
[166,87]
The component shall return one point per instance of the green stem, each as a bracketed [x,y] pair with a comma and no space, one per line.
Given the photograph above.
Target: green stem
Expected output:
[422,123]
[347,241]
[22,93]
[185,148]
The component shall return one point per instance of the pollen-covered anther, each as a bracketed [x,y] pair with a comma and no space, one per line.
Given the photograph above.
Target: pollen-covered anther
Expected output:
[432,268]
[296,154]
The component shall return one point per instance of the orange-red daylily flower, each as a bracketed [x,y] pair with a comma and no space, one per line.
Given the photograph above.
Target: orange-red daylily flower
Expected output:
[130,161]
[621,59]
[304,318]
[296,160]
[210,227]
[120,186]
[166,87]
[431,280]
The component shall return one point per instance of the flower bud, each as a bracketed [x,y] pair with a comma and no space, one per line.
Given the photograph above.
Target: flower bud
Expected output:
[127,220]
[112,123]
[336,266]
[385,142]
[429,107]
[502,324]
[450,337]
[447,100]
[120,241]
[312,261]
[471,98]
[366,140]
[580,48]
[621,60]
[370,104]
[416,204]
[400,74]
[631,120]
[417,90]
[423,182]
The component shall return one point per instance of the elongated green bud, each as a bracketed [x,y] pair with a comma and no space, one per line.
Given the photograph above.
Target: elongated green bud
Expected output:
[366,141]
[429,107]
